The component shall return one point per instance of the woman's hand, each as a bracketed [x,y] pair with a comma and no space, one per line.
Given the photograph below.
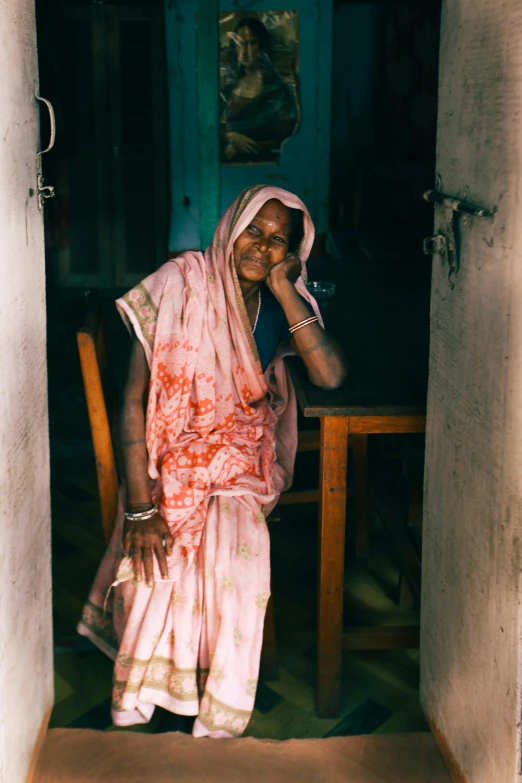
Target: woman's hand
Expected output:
[144,539]
[323,359]
[287,270]
[238,142]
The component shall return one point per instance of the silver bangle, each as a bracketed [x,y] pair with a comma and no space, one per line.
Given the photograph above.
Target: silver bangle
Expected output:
[141,515]
[305,322]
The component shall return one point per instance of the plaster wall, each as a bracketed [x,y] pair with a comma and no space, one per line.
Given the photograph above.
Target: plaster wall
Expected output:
[472,550]
[26,671]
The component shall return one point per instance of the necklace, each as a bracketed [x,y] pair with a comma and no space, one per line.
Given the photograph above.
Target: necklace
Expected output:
[258,311]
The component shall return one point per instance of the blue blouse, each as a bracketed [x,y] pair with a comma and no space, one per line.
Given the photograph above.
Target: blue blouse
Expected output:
[271,329]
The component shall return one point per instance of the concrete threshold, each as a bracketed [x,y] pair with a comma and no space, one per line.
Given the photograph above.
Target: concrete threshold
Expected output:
[85,756]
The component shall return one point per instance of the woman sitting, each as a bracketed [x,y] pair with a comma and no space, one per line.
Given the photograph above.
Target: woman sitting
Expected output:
[208,439]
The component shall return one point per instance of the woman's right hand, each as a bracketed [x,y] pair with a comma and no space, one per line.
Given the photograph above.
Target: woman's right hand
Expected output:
[142,540]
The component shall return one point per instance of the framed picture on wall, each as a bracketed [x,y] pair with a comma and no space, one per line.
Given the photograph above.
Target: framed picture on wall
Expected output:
[259,66]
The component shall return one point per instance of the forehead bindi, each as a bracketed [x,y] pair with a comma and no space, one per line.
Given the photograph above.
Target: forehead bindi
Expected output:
[273,216]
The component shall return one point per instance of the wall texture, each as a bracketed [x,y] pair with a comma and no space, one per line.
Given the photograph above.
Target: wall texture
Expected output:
[26,671]
[304,165]
[471,629]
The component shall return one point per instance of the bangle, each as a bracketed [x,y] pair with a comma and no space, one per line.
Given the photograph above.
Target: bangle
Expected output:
[300,325]
[139,516]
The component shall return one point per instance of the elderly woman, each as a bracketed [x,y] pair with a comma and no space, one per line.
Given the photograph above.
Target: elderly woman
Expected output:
[208,438]
[259,109]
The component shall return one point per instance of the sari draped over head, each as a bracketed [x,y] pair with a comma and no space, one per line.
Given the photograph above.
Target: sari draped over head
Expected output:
[221,439]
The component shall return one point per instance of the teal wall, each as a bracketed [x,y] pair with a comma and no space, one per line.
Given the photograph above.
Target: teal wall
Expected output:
[305,160]
[358,37]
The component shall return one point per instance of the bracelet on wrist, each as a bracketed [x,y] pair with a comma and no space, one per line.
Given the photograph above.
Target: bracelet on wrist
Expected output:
[301,324]
[140,516]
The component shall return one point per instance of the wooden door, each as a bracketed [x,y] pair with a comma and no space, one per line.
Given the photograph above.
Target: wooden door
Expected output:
[105,67]
[471,648]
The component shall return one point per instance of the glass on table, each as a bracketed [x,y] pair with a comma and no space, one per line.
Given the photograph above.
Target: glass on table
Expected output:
[322,291]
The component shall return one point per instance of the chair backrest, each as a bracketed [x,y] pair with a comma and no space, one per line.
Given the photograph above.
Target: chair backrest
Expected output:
[93,360]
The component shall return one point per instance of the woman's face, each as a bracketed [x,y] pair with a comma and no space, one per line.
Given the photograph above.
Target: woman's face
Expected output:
[263,243]
[247,47]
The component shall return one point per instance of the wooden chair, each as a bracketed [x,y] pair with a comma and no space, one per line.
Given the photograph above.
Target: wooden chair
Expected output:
[307,440]
[94,365]
[95,368]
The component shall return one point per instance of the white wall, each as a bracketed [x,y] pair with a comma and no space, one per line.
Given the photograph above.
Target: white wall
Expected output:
[26,687]
[471,636]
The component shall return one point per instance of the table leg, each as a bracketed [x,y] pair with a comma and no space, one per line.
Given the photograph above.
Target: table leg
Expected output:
[332,516]
[359,444]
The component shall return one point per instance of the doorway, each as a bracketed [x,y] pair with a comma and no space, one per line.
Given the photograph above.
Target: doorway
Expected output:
[102,66]
[380,688]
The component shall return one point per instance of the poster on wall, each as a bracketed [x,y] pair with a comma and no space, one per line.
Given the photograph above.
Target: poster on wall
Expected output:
[259,100]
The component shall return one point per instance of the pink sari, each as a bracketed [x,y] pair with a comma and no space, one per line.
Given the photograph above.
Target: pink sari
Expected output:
[221,439]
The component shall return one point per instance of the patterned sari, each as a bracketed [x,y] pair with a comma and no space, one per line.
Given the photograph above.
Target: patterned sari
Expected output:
[221,439]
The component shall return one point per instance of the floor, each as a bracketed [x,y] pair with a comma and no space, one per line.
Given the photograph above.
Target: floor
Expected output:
[81,756]
[379,689]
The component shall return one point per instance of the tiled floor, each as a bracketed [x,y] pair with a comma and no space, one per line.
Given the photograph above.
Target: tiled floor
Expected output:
[379,689]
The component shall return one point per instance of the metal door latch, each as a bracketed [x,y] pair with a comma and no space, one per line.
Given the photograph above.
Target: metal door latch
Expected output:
[44,191]
[455,204]
[448,245]
[444,247]
[435,245]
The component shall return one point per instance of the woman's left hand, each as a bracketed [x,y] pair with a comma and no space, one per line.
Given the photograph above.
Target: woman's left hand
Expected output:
[322,357]
[288,269]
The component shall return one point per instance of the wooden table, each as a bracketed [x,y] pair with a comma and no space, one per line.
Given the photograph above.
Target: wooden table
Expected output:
[348,413]
[380,315]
